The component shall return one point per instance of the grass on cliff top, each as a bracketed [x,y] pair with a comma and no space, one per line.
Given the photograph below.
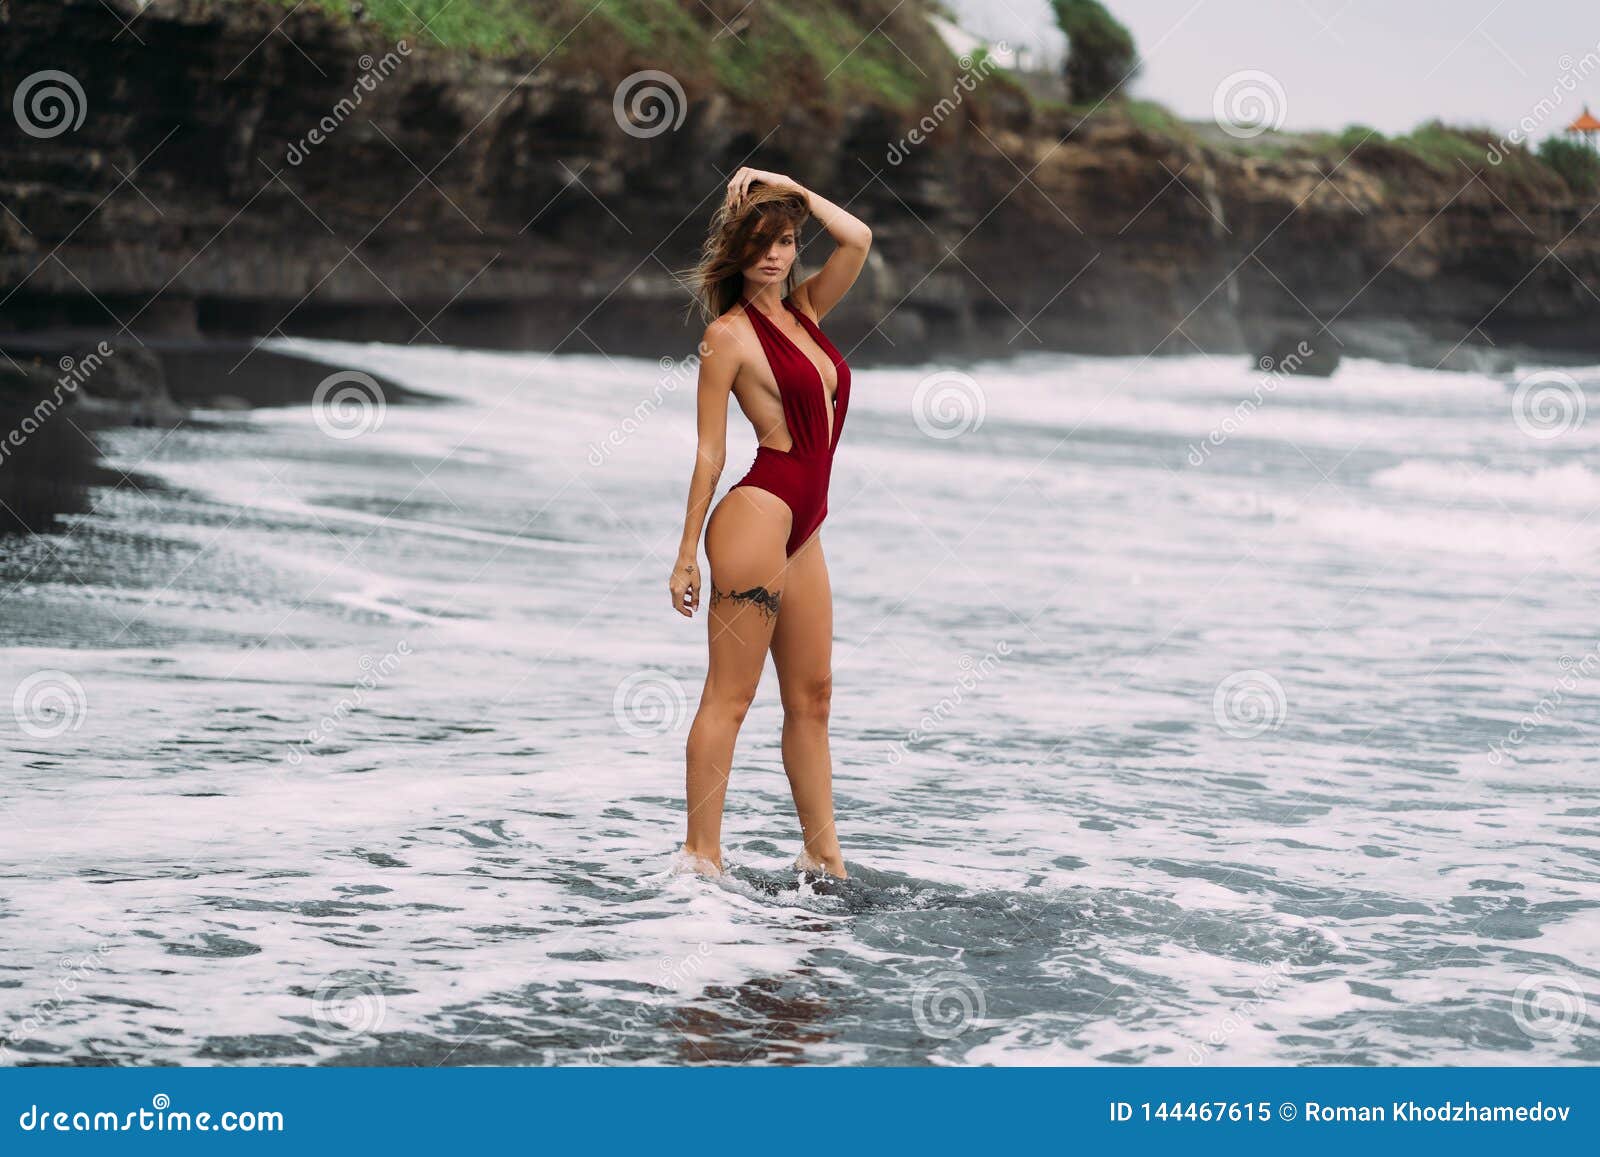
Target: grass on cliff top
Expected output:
[488,27]
[1441,147]
[832,52]
[1453,149]
[766,53]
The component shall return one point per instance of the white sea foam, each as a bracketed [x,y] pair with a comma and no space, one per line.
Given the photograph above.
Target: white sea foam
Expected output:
[1570,484]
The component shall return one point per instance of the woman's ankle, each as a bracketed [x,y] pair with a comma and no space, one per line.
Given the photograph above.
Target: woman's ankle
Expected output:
[832,863]
[706,863]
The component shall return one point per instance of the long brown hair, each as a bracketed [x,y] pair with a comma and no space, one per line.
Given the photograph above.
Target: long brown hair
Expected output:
[740,237]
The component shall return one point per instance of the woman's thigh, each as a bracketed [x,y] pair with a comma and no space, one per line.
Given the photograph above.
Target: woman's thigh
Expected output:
[745,539]
[802,643]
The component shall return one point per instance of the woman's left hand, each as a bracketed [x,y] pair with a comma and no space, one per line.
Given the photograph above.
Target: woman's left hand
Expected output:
[684,583]
[746,176]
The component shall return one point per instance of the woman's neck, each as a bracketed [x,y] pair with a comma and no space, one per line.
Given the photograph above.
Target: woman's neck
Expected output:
[768,299]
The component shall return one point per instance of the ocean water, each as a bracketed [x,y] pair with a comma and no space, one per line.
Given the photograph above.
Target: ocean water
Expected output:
[1166,730]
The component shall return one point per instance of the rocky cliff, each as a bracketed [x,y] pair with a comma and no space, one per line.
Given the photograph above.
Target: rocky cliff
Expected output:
[236,169]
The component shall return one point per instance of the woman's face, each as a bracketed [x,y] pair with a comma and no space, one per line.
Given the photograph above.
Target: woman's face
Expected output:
[774,265]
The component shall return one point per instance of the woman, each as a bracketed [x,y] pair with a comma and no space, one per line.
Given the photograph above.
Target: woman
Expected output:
[769,581]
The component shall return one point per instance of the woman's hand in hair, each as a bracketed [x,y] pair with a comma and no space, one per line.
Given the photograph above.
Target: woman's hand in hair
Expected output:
[741,181]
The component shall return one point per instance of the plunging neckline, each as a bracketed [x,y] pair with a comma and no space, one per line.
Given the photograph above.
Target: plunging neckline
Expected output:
[833,400]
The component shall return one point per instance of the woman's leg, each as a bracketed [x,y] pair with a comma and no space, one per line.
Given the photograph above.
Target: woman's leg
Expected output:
[802,651]
[745,539]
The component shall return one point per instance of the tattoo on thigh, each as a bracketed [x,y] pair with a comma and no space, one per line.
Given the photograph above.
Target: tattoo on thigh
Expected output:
[759,597]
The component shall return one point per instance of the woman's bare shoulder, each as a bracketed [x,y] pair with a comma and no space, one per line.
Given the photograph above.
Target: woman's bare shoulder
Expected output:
[728,336]
[726,328]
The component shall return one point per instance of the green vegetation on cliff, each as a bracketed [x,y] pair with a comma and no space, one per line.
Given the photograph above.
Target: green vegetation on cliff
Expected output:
[840,52]
[765,54]
[1452,149]
[1578,165]
[1100,54]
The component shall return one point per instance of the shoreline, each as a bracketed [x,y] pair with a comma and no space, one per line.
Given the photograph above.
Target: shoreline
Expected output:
[57,389]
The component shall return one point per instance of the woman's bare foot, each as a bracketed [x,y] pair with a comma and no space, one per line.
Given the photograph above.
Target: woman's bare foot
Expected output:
[704,865]
[833,865]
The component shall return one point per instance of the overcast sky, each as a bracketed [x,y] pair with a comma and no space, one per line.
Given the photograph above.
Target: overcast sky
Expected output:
[1390,64]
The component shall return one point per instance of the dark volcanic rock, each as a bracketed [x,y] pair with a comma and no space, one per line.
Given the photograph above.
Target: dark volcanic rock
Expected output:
[47,464]
[1304,351]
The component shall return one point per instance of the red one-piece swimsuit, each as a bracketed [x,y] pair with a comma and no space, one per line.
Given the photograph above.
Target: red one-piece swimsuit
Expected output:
[799,476]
